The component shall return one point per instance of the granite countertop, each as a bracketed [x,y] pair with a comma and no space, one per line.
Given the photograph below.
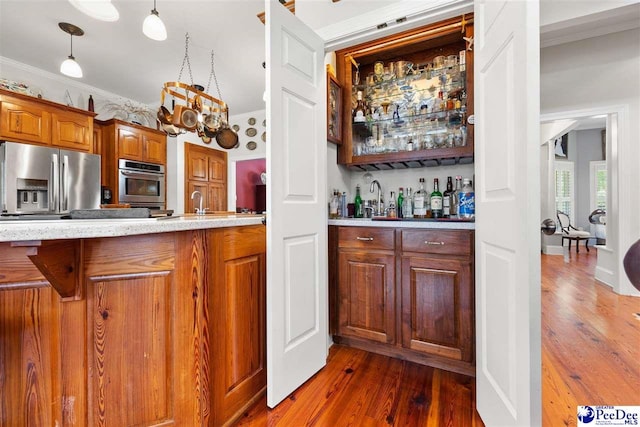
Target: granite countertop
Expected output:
[16,230]
[395,223]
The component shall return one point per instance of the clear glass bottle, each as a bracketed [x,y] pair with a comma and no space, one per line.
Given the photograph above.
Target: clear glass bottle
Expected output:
[358,204]
[391,208]
[400,204]
[454,209]
[407,205]
[447,199]
[436,200]
[333,205]
[420,201]
[467,201]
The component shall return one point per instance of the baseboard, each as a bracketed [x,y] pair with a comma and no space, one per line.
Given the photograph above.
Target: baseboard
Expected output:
[605,276]
[553,250]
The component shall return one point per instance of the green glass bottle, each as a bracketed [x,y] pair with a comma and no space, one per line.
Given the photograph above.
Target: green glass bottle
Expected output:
[400,202]
[436,200]
[358,203]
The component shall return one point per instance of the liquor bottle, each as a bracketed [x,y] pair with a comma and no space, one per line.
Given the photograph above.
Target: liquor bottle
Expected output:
[407,205]
[333,205]
[400,204]
[420,201]
[455,207]
[467,201]
[358,203]
[91,106]
[447,199]
[360,112]
[391,209]
[436,200]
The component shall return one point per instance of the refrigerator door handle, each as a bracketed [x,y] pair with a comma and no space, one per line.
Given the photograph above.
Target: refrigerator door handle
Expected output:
[54,186]
[65,183]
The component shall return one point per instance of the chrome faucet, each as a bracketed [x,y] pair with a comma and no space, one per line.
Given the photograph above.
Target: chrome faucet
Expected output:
[378,211]
[199,211]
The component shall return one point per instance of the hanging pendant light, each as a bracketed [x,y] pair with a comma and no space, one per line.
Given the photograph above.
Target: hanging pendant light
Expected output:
[101,10]
[153,27]
[70,67]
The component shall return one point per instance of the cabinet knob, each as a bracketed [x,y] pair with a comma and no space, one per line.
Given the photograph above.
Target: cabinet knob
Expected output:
[428,242]
[365,239]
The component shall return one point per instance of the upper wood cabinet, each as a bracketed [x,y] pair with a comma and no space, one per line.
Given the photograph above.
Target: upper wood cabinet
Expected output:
[135,142]
[417,87]
[36,121]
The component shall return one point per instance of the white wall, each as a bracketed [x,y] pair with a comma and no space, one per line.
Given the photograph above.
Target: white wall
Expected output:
[589,147]
[53,87]
[595,73]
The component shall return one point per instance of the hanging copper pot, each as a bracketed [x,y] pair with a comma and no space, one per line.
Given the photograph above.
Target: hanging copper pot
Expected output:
[226,137]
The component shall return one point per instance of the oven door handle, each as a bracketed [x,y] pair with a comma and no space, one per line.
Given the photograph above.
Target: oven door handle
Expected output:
[141,175]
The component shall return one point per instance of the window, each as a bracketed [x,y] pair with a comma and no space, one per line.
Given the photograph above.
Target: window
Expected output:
[565,174]
[598,187]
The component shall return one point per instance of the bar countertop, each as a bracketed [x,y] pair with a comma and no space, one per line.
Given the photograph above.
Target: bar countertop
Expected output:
[26,230]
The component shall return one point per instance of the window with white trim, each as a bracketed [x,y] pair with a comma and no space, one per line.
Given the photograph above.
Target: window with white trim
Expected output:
[565,188]
[598,187]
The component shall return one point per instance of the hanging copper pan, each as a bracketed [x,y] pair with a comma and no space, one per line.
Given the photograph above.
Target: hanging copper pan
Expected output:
[226,137]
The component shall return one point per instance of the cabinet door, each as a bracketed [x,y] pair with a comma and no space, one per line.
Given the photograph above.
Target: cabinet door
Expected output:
[129,144]
[197,165]
[72,130]
[218,168]
[437,307]
[217,197]
[26,121]
[366,297]
[237,310]
[154,148]
[192,204]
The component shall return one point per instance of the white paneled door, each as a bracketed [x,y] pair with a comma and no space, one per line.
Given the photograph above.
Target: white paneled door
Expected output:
[507,162]
[296,203]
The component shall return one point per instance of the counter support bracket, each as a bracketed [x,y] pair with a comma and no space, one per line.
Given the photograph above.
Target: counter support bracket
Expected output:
[60,263]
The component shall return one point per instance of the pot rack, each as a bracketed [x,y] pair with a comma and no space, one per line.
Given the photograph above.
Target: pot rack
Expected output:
[193,97]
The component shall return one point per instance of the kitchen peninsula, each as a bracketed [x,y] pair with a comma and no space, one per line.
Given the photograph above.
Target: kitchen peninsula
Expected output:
[131,322]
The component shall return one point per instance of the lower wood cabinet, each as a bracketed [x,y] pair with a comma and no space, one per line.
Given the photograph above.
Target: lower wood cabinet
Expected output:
[407,293]
[165,329]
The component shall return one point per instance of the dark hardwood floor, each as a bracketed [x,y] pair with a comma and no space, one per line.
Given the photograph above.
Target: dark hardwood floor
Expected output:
[590,340]
[590,356]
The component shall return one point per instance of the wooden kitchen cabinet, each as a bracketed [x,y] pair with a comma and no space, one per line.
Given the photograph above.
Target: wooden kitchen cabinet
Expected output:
[135,142]
[406,80]
[36,121]
[407,293]
[366,291]
[205,171]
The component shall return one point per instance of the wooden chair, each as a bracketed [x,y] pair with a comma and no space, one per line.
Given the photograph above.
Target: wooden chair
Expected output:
[569,232]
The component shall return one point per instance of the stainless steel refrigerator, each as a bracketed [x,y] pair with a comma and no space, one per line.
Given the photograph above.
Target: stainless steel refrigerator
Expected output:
[43,180]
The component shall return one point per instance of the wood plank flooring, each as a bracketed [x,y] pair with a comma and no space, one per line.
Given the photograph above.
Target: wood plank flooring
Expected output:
[358,388]
[590,356]
[590,340]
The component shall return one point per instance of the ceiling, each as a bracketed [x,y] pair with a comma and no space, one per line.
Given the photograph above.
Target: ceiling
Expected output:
[118,58]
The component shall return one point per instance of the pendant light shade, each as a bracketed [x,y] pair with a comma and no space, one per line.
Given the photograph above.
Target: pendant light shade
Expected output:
[70,67]
[153,27]
[101,10]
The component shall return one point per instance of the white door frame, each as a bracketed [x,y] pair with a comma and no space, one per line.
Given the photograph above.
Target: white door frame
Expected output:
[618,211]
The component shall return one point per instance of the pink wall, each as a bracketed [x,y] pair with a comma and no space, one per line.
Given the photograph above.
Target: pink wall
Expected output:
[247,176]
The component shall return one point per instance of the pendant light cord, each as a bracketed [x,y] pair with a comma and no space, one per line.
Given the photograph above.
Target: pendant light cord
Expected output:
[71,44]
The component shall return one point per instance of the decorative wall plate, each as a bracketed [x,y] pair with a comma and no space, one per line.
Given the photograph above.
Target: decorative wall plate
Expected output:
[264,137]
[236,128]
[251,145]
[251,121]
[251,132]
